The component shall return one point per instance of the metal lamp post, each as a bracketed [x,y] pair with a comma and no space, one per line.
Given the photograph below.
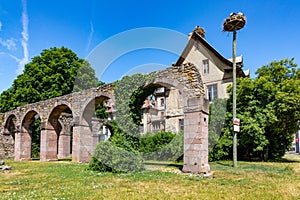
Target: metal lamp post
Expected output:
[234,23]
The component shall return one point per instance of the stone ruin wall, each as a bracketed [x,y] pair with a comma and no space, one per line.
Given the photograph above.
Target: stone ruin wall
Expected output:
[186,74]
[189,77]
[6,141]
[193,108]
[6,146]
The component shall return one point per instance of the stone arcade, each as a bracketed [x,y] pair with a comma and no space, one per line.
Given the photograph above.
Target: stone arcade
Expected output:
[15,129]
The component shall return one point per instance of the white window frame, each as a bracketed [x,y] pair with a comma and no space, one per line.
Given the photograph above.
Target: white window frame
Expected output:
[212,92]
[205,64]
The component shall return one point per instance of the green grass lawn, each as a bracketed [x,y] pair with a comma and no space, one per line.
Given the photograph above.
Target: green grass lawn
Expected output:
[66,180]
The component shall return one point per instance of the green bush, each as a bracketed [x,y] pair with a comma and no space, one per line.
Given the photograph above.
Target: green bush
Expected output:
[124,140]
[155,141]
[35,151]
[109,158]
[165,146]
[162,146]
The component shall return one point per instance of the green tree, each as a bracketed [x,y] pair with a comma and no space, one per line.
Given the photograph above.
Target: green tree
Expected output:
[56,72]
[268,107]
[278,89]
[217,116]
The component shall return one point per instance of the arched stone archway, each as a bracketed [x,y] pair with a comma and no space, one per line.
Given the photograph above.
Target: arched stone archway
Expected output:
[8,140]
[55,137]
[160,106]
[23,139]
[10,126]
[187,80]
[84,137]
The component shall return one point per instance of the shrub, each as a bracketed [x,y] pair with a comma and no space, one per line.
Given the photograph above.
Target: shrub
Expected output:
[162,146]
[35,151]
[155,141]
[165,146]
[119,138]
[109,158]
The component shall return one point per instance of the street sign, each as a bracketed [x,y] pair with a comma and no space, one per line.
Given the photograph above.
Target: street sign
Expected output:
[236,121]
[236,128]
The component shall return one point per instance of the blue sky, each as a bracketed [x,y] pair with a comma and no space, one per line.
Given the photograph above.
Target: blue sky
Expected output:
[27,27]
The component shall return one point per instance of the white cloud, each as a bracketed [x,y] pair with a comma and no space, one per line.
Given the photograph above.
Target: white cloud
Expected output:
[25,21]
[90,37]
[9,44]
[24,40]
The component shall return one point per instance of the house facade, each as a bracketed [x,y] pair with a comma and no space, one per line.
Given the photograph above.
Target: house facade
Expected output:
[163,111]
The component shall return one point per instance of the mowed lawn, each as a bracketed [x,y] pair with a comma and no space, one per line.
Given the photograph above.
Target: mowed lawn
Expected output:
[65,180]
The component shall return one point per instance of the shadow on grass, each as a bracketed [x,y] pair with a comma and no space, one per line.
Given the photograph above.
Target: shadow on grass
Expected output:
[179,166]
[162,163]
[65,159]
[224,164]
[285,160]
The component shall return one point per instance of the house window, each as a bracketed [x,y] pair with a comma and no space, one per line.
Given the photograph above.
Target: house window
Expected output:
[205,66]
[181,124]
[162,102]
[162,114]
[156,126]
[212,92]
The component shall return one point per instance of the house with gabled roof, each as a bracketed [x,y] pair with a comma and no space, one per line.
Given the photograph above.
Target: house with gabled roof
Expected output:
[216,70]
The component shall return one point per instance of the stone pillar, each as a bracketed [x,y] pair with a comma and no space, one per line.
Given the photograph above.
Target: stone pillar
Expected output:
[22,146]
[97,125]
[18,146]
[83,145]
[48,145]
[64,146]
[196,136]
[64,139]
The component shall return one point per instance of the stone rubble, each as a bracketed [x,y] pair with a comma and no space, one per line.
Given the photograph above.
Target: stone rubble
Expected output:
[4,168]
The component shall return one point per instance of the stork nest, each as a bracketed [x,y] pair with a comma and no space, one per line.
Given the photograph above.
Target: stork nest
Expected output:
[200,31]
[234,22]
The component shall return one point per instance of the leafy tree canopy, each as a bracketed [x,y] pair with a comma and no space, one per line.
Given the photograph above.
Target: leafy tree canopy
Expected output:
[56,72]
[269,109]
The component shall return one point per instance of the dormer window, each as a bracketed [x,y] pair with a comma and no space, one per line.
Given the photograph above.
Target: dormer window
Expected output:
[205,66]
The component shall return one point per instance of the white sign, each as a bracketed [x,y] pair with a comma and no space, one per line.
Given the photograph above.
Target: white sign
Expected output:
[236,128]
